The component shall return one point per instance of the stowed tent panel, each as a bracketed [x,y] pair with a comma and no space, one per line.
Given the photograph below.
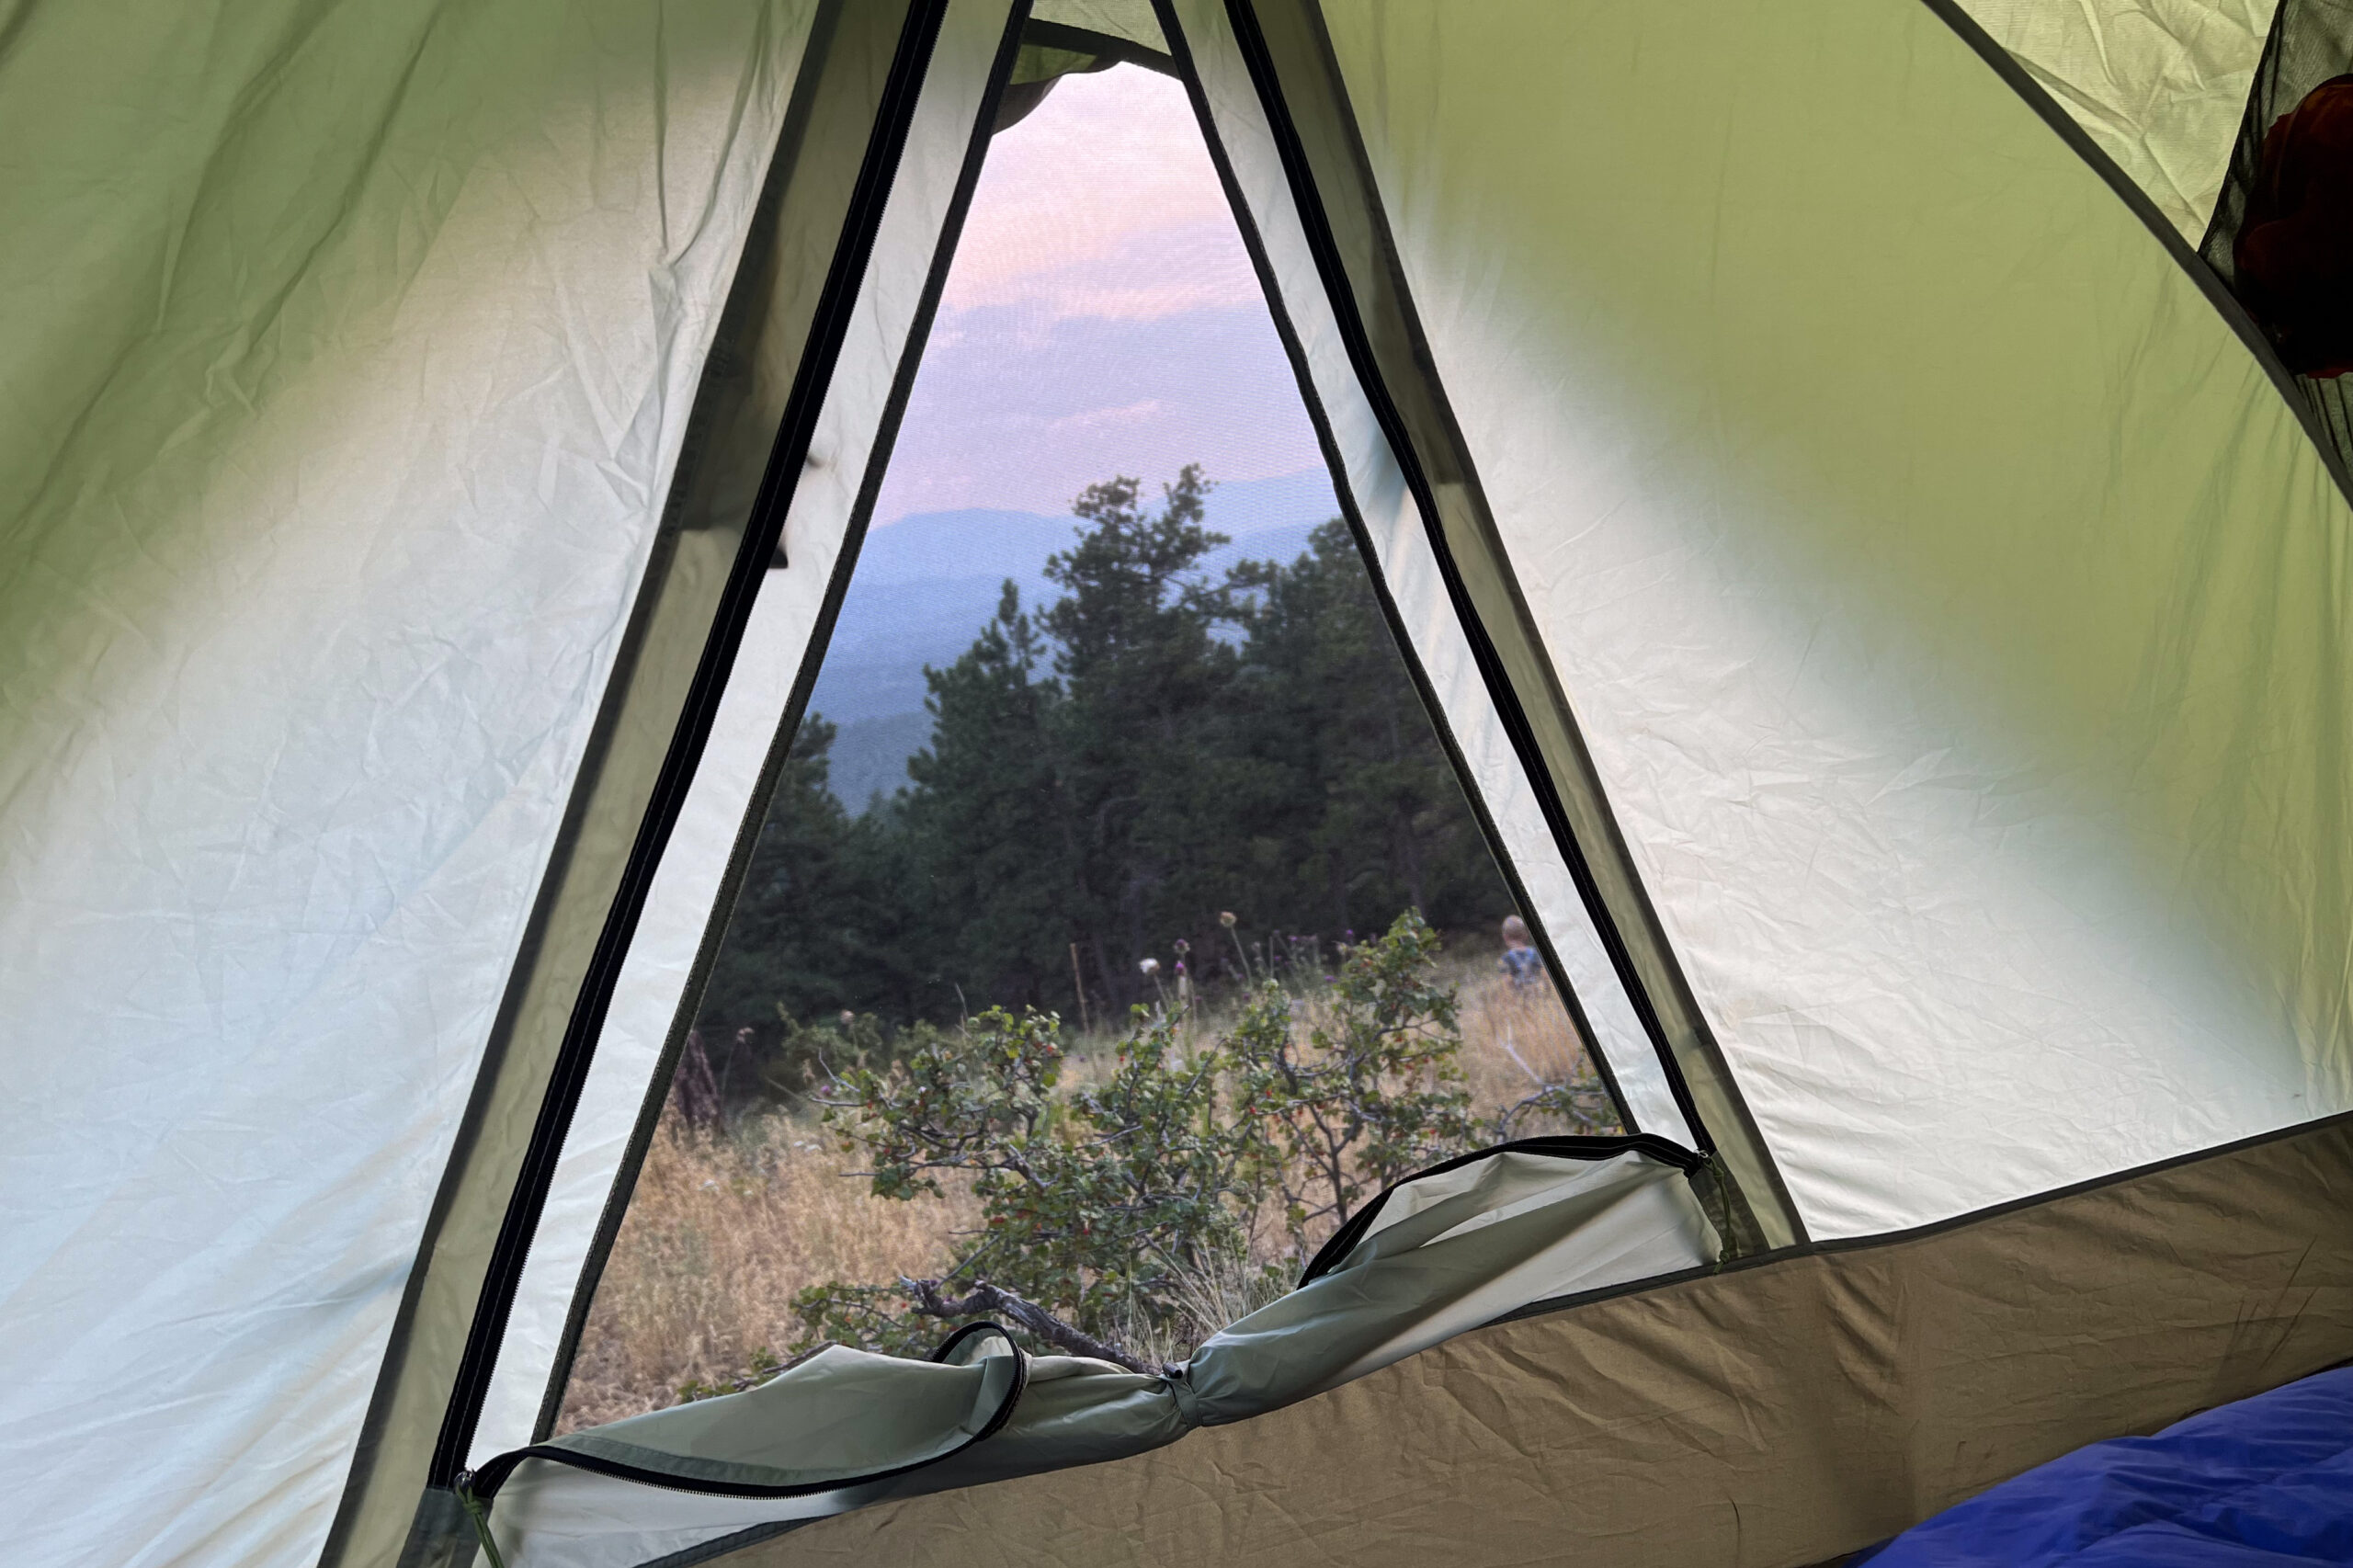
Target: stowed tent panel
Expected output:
[1772,1416]
[1883,594]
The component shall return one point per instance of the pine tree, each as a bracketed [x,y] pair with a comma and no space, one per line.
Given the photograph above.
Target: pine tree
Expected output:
[1152,752]
[987,827]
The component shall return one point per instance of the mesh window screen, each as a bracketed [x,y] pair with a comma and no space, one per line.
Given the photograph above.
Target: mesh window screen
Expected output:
[2282,230]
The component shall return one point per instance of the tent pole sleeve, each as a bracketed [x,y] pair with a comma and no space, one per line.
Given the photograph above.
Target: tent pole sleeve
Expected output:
[1344,492]
[837,588]
[1306,104]
[759,546]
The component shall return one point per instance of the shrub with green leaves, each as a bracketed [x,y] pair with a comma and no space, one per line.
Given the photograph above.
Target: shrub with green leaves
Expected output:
[1116,1213]
[1364,1089]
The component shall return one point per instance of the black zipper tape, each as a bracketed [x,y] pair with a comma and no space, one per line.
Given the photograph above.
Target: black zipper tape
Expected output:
[895,117]
[1332,267]
[483,1484]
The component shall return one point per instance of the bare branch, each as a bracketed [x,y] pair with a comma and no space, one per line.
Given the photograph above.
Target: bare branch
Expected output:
[985,1298]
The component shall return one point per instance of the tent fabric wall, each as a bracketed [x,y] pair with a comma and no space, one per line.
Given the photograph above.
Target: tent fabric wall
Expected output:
[349,353]
[783,420]
[1372,489]
[688,906]
[1777,1415]
[1325,257]
[1130,19]
[1954,607]
[2158,85]
[1798,441]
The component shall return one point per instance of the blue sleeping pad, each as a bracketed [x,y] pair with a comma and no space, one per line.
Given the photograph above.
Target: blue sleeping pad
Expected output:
[2261,1483]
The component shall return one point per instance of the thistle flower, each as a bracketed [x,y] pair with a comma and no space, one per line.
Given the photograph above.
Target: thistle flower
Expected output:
[1150,966]
[1225,918]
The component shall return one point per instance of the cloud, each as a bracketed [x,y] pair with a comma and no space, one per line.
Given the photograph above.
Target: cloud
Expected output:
[1100,317]
[1103,202]
[1017,412]
[1126,413]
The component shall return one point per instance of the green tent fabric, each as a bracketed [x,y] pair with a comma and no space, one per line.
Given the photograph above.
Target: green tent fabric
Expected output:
[1885,591]
[2159,88]
[1968,501]
[349,356]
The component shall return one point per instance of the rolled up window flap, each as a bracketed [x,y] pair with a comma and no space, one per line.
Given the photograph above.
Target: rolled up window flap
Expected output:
[1485,1236]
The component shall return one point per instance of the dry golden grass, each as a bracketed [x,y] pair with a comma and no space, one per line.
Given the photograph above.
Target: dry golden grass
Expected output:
[723,1231]
[1515,1041]
[720,1234]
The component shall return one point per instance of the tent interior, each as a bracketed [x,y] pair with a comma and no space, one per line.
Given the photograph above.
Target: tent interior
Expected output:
[1177,780]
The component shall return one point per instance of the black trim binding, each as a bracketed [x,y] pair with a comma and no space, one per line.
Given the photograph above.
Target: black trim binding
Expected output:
[1364,360]
[1340,289]
[2217,292]
[657,1092]
[895,114]
[1320,419]
[1663,1150]
[483,1484]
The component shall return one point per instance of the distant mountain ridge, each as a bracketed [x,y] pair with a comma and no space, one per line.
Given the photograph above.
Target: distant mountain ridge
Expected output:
[926,585]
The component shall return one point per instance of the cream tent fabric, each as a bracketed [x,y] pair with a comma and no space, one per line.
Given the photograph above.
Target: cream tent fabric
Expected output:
[806,370]
[679,918]
[349,354]
[1874,579]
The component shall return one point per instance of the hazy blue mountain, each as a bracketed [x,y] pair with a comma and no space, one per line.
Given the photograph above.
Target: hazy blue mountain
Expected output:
[927,583]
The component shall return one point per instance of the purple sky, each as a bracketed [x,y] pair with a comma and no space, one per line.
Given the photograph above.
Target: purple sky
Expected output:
[1100,317]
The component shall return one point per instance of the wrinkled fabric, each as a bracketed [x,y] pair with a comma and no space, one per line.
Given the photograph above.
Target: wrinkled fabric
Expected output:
[345,352]
[723,803]
[2158,85]
[1956,611]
